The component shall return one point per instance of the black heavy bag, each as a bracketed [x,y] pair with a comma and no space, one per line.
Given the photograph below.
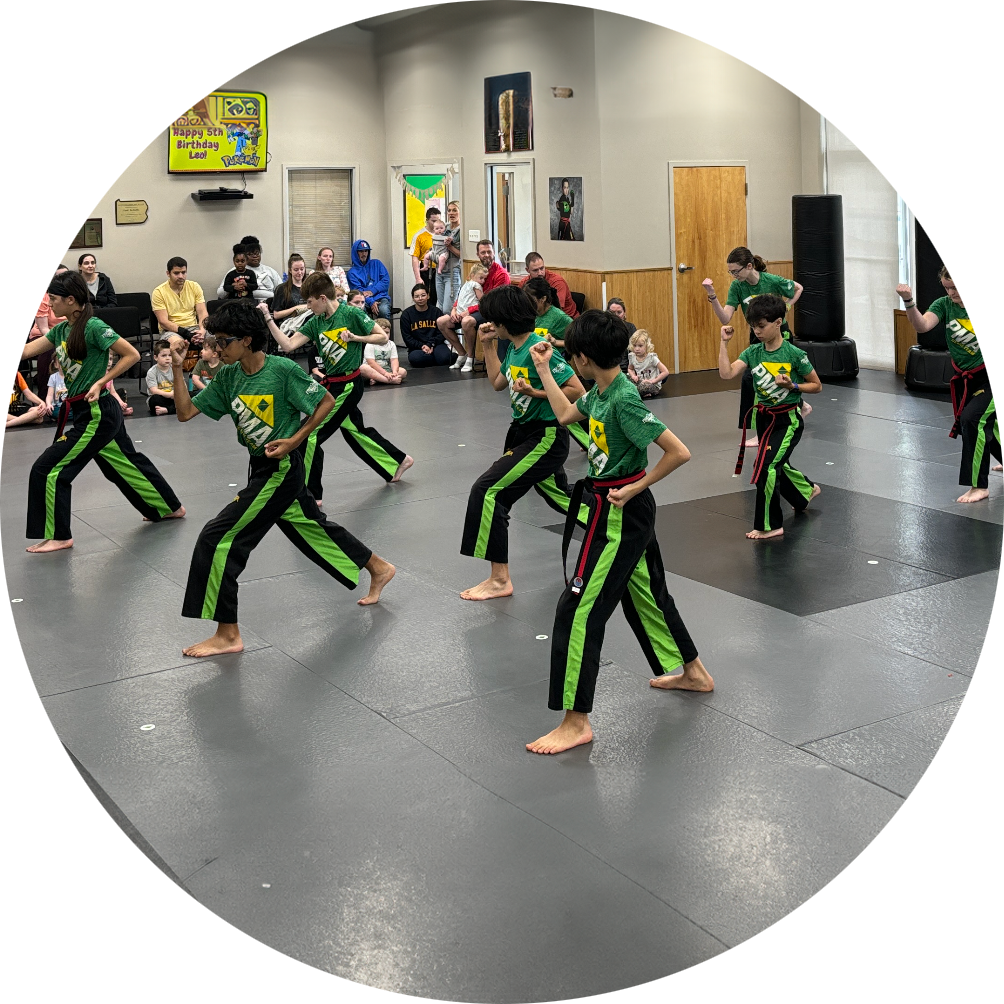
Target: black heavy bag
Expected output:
[817,245]
[942,233]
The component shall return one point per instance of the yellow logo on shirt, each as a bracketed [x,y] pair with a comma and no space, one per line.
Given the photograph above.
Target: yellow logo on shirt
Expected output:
[261,407]
[598,434]
[776,369]
[515,372]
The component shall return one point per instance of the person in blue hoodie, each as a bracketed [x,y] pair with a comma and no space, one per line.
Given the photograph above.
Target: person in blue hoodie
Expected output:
[370,277]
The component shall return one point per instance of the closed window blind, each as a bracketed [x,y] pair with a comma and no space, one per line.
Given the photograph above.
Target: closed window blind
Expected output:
[320,213]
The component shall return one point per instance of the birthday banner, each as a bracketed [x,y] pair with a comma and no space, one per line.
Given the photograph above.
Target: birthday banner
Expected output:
[225,132]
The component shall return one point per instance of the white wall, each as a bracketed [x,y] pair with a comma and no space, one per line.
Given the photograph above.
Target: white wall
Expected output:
[91,123]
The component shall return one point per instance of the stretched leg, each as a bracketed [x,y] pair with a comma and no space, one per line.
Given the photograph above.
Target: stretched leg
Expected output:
[310,449]
[368,445]
[225,544]
[524,464]
[138,479]
[795,488]
[978,421]
[52,474]
[783,435]
[555,492]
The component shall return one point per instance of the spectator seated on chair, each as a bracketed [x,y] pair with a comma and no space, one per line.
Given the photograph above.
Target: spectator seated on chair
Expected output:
[240,282]
[268,278]
[497,277]
[536,269]
[326,263]
[380,363]
[288,301]
[450,324]
[99,286]
[426,345]
[35,415]
[179,304]
[369,275]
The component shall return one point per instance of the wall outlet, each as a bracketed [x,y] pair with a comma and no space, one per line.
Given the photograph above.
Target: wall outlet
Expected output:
[474,236]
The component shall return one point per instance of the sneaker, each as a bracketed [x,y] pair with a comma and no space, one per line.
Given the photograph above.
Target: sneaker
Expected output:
[468,365]
[460,362]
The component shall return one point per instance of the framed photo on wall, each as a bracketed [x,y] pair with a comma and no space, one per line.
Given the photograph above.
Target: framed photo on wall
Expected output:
[565,203]
[508,113]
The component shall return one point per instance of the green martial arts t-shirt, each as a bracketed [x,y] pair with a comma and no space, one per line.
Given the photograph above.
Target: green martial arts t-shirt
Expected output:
[265,405]
[742,294]
[620,429]
[14,248]
[519,363]
[962,344]
[81,374]
[338,355]
[553,322]
[765,366]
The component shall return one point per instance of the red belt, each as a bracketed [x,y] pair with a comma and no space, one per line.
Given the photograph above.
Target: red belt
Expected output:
[64,411]
[327,381]
[959,386]
[596,486]
[762,437]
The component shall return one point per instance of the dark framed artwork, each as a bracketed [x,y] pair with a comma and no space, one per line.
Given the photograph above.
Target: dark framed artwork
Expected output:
[508,113]
[90,235]
[565,204]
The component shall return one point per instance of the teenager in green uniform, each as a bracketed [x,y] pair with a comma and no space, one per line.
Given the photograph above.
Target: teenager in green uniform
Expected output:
[551,323]
[265,396]
[619,561]
[750,279]
[972,396]
[338,332]
[781,373]
[96,431]
[535,447]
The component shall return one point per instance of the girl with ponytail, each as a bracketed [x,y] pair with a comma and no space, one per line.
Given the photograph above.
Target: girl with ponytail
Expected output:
[972,321]
[751,279]
[95,430]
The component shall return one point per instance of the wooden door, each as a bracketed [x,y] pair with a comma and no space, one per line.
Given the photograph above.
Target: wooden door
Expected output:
[709,207]
[503,214]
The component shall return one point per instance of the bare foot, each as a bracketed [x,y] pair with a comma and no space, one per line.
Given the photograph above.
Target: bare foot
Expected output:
[764,534]
[752,442]
[320,504]
[974,495]
[405,464]
[573,731]
[160,409]
[806,409]
[997,467]
[381,572]
[693,677]
[490,589]
[372,382]
[45,546]
[816,491]
[226,640]
[127,411]
[177,514]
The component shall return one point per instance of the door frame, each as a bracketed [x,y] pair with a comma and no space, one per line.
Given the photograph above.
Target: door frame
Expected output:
[354,185]
[672,234]
[489,167]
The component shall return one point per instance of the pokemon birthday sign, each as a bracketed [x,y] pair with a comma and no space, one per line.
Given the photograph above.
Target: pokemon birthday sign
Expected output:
[216,131]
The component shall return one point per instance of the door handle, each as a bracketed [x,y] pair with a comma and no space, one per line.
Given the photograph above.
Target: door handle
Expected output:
[685,268]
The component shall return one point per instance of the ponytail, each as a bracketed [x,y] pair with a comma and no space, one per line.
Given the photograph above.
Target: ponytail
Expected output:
[72,285]
[959,270]
[744,257]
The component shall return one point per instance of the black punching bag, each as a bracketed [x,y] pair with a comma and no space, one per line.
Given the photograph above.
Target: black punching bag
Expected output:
[817,246]
[942,233]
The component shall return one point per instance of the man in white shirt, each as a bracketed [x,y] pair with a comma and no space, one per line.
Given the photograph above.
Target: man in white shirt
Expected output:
[268,279]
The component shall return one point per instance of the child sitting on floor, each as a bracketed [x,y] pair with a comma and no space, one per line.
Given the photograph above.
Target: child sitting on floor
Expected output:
[644,367]
[208,364]
[380,363]
[160,381]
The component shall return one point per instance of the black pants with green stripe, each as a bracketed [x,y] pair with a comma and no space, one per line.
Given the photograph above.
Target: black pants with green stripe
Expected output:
[619,563]
[980,435]
[367,444]
[774,477]
[533,458]
[95,431]
[275,496]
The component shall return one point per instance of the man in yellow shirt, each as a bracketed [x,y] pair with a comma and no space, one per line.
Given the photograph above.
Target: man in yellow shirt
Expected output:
[179,304]
[420,247]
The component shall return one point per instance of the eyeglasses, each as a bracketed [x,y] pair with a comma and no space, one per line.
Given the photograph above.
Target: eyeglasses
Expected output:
[735,271]
[222,341]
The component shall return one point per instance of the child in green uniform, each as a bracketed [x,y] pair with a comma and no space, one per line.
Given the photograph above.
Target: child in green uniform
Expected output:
[535,447]
[774,365]
[338,332]
[972,397]
[265,396]
[551,323]
[619,561]
[750,279]
[96,430]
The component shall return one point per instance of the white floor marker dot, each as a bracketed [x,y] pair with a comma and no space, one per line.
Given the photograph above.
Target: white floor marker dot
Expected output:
[234,485]
[829,463]
[833,399]
[872,562]
[461,444]
[137,440]
[147,728]
[266,885]
[17,601]
[542,637]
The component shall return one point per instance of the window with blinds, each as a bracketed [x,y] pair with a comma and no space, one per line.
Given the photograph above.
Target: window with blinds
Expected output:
[320,213]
